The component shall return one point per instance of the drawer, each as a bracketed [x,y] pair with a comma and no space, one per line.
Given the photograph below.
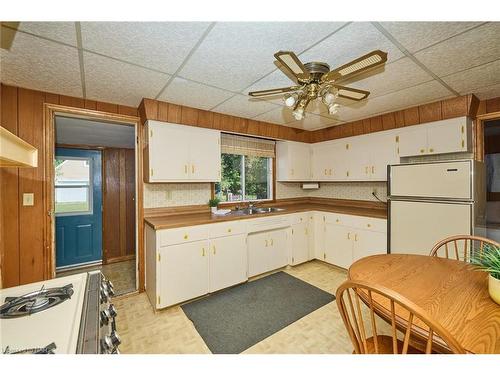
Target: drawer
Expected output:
[262,224]
[183,235]
[373,224]
[228,228]
[300,218]
[341,219]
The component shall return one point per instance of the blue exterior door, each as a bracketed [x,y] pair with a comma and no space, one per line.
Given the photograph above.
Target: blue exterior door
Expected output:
[78,206]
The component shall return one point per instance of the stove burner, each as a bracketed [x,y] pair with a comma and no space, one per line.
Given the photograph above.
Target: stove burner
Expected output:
[16,307]
[49,349]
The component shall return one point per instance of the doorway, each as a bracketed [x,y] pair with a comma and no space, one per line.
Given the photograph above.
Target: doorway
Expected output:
[492,161]
[95,200]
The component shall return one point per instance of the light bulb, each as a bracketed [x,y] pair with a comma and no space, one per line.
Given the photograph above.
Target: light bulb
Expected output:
[333,108]
[329,98]
[290,100]
[298,114]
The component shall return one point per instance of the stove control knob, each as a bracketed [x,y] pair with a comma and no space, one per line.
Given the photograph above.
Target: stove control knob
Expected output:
[105,317]
[104,296]
[107,344]
[111,288]
[112,311]
[115,339]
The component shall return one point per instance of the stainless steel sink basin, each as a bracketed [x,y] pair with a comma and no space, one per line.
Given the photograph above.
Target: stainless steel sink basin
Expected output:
[258,210]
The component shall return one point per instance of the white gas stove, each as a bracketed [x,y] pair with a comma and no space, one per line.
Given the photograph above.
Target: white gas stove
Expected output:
[71,314]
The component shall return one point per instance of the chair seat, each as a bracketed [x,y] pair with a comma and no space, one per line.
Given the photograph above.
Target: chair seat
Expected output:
[385,346]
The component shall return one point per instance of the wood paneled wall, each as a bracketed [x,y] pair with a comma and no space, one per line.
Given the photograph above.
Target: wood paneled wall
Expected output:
[150,109]
[23,233]
[119,204]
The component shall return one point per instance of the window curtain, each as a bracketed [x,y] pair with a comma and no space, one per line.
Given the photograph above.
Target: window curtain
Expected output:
[248,146]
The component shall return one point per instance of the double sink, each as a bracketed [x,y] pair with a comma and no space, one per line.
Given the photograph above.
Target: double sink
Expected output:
[258,210]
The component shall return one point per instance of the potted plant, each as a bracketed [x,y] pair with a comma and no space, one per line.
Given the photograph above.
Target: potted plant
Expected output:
[213,203]
[489,261]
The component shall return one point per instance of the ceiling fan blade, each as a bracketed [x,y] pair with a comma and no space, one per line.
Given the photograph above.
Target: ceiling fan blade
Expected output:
[292,63]
[350,93]
[7,34]
[273,91]
[355,67]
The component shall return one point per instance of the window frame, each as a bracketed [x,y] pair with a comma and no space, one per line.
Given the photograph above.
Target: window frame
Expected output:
[89,186]
[272,187]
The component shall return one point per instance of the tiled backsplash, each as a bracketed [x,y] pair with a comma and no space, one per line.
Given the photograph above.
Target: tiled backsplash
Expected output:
[169,195]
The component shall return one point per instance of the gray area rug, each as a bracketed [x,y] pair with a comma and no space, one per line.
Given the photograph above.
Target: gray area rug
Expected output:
[237,318]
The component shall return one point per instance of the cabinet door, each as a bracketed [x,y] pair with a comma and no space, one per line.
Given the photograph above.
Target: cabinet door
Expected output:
[228,262]
[338,245]
[338,161]
[319,236]
[168,153]
[266,251]
[300,243]
[357,158]
[383,152]
[322,169]
[204,151]
[368,243]
[183,272]
[278,244]
[413,141]
[300,161]
[447,136]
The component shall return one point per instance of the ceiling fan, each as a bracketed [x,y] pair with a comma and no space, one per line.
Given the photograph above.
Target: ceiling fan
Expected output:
[315,79]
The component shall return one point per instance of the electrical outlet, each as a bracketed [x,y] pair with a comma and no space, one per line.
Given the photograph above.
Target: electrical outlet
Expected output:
[28,199]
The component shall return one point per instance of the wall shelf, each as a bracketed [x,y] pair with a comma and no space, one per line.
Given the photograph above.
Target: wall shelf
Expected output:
[14,152]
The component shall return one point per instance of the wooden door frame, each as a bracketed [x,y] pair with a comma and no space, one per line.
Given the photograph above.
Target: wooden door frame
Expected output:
[50,111]
[479,133]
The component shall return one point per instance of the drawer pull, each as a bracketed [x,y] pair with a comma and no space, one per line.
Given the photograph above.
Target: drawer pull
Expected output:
[214,249]
[373,169]
[355,237]
[348,236]
[272,242]
[431,150]
[186,236]
[202,251]
[337,221]
[368,225]
[422,150]
[229,230]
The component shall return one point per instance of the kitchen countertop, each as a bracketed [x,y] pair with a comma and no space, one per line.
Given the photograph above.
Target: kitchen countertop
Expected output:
[357,208]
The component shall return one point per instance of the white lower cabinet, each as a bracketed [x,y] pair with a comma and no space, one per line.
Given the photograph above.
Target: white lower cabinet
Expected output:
[368,243]
[228,262]
[299,243]
[267,251]
[338,245]
[183,272]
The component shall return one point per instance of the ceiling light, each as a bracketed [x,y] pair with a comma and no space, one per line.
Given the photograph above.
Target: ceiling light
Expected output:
[298,114]
[329,98]
[333,108]
[290,100]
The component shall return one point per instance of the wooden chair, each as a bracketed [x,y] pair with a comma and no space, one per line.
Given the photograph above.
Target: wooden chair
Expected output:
[399,312]
[461,247]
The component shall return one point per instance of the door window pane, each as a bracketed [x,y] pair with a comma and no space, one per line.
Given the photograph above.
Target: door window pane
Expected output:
[73,188]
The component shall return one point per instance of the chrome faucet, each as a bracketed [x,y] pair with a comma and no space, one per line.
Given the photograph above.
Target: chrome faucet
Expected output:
[251,204]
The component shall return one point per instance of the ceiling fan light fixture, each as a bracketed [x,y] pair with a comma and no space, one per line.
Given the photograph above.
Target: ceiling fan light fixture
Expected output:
[333,108]
[290,100]
[329,98]
[298,114]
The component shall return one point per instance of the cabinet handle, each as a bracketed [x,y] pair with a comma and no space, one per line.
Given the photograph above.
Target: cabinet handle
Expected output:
[348,235]
[337,220]
[185,236]
[398,150]
[431,150]
[462,129]
[373,169]
[422,150]
[266,243]
[271,242]
[325,172]
[202,251]
[192,168]
[463,143]
[214,249]
[355,237]
[347,173]
[330,172]
[368,225]
[229,230]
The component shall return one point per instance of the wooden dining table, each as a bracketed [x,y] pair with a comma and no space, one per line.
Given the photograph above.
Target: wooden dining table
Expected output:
[452,292]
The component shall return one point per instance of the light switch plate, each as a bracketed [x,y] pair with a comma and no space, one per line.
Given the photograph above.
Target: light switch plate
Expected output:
[28,199]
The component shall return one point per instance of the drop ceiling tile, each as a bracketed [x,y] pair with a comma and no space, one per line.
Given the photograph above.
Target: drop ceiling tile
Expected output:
[312,121]
[279,115]
[475,47]
[118,82]
[64,32]
[236,54]
[409,97]
[481,76]
[41,65]
[157,45]
[417,35]
[353,41]
[487,92]
[244,106]
[192,94]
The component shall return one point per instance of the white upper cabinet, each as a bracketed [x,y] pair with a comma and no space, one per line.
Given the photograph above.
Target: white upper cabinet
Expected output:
[439,137]
[293,161]
[383,148]
[357,151]
[179,153]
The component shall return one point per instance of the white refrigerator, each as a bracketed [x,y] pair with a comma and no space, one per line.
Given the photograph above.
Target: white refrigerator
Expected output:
[428,202]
